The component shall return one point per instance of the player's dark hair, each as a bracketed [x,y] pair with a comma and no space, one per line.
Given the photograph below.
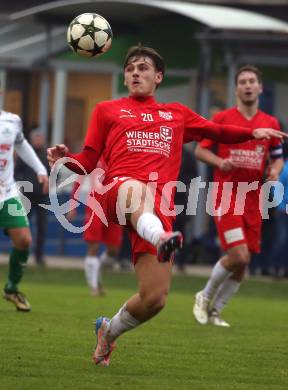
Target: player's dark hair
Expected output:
[142,51]
[249,68]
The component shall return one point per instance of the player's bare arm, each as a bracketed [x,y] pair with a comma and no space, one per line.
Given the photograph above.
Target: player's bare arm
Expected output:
[226,165]
[266,133]
[274,169]
[44,180]
[207,156]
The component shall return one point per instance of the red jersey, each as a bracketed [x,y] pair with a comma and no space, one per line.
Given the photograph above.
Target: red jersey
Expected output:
[96,230]
[248,157]
[138,135]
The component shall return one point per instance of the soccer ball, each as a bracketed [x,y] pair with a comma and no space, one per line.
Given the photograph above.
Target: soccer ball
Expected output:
[89,35]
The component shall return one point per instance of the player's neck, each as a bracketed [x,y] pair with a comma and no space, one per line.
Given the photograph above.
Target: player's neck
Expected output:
[146,98]
[247,111]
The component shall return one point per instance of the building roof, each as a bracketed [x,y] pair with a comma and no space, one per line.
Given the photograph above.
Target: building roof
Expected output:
[221,17]
[24,35]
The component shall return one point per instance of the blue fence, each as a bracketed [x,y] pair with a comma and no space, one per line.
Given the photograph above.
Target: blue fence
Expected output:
[58,240]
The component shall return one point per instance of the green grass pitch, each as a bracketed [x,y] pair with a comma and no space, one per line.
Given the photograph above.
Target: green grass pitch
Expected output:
[50,348]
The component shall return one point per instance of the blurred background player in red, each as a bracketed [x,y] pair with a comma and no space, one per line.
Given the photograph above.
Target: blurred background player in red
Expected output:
[240,235]
[96,235]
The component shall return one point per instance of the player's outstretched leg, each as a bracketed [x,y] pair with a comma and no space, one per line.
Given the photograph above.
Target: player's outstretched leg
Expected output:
[103,348]
[168,243]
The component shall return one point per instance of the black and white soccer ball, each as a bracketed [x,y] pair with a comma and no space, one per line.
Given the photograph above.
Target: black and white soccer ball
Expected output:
[89,35]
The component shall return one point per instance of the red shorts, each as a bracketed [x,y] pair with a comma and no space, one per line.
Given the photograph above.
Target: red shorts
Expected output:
[98,232]
[235,230]
[138,244]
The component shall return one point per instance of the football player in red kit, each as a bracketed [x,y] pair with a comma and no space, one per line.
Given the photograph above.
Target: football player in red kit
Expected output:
[96,233]
[141,141]
[239,231]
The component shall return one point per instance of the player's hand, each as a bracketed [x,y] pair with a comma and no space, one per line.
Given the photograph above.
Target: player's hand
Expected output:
[272,174]
[71,215]
[44,180]
[226,165]
[55,153]
[266,133]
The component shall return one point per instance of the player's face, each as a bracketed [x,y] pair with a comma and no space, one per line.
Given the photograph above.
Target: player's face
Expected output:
[248,88]
[140,77]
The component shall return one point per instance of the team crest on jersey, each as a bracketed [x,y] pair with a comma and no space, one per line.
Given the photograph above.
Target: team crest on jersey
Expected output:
[165,115]
[166,133]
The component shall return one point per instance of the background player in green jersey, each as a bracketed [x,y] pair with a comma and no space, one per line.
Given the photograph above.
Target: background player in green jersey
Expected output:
[13,218]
